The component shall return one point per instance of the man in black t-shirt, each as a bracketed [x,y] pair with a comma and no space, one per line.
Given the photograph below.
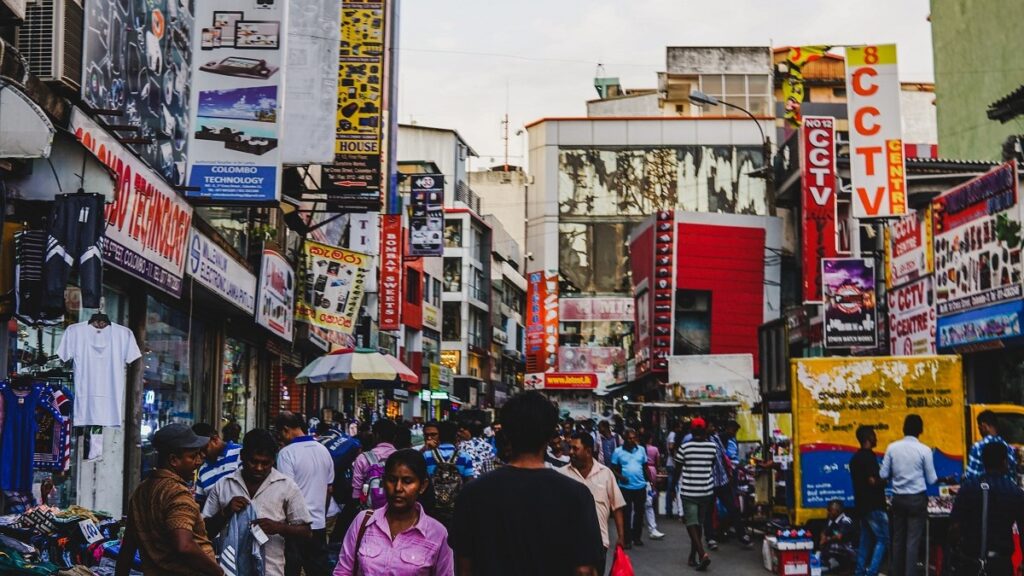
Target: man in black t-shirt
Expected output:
[524,519]
[869,498]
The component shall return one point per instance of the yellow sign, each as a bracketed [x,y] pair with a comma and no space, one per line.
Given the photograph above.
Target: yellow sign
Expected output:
[832,397]
[361,78]
[793,84]
[451,359]
[435,377]
[333,291]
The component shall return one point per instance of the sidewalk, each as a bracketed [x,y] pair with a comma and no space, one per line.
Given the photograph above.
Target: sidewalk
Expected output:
[668,555]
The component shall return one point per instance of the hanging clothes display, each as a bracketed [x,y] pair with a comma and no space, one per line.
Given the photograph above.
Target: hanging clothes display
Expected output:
[17,441]
[101,351]
[76,227]
[53,438]
[32,306]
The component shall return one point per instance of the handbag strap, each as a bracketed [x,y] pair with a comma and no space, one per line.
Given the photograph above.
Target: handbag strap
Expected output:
[359,542]
[983,551]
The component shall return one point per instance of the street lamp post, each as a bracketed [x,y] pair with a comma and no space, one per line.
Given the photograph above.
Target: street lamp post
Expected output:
[701,99]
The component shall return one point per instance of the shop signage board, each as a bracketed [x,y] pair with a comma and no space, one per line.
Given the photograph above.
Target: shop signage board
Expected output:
[818,177]
[541,321]
[335,280]
[561,381]
[237,101]
[912,319]
[664,290]
[793,83]
[275,301]
[876,135]
[426,223]
[431,316]
[136,58]
[213,267]
[599,359]
[908,248]
[978,242]
[148,224]
[391,272]
[850,312]
[981,328]
[600,309]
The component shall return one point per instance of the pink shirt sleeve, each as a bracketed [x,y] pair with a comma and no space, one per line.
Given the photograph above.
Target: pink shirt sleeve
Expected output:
[359,468]
[445,565]
[347,558]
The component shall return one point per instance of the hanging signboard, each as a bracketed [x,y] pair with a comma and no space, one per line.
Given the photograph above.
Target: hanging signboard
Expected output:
[541,321]
[599,309]
[391,273]
[850,310]
[275,301]
[148,224]
[561,381]
[237,100]
[908,248]
[982,328]
[876,135]
[334,285]
[978,242]
[818,177]
[426,223]
[213,267]
[912,319]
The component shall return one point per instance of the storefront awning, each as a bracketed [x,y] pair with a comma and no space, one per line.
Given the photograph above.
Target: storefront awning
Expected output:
[25,130]
[68,169]
[695,404]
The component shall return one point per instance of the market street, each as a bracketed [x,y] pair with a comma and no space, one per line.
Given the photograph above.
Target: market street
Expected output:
[668,555]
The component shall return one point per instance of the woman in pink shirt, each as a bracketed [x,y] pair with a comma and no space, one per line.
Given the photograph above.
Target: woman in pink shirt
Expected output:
[653,455]
[398,539]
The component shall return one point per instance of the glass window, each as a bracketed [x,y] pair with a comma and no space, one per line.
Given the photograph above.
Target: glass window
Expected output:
[735,85]
[451,323]
[453,233]
[453,274]
[238,225]
[692,322]
[436,295]
[236,379]
[476,328]
[480,250]
[412,286]
[757,85]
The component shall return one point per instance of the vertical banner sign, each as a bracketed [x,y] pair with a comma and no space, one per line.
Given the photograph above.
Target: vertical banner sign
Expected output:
[793,84]
[908,248]
[912,319]
[850,311]
[876,136]
[334,285]
[818,177]
[426,224]
[550,320]
[237,98]
[356,171]
[978,242]
[662,309]
[275,299]
[391,272]
[541,321]
[148,224]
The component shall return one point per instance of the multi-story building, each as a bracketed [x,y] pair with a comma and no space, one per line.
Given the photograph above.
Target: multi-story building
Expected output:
[502,189]
[508,300]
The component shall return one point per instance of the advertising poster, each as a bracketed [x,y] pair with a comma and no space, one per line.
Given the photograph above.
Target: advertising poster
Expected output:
[599,359]
[214,268]
[833,396]
[359,122]
[391,272]
[908,248]
[426,223]
[608,309]
[541,321]
[275,302]
[237,98]
[793,83]
[971,330]
[978,242]
[912,319]
[333,288]
[818,177]
[137,57]
[148,225]
[876,135]
[664,289]
[560,381]
[850,311]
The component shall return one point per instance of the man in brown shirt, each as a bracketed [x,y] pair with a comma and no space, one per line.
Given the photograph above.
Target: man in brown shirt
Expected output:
[164,521]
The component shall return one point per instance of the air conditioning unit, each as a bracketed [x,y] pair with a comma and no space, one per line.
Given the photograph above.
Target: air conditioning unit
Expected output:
[50,39]
[17,8]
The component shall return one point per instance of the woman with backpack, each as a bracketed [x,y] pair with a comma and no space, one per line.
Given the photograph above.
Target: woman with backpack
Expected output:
[398,539]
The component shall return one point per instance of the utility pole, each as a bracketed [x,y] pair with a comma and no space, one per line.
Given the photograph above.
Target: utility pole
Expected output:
[504,124]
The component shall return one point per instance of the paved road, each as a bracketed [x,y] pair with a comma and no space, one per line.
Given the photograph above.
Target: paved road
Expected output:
[668,556]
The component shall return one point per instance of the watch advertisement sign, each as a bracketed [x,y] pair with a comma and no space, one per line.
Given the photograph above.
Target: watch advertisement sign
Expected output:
[148,224]
[912,319]
[908,248]
[818,177]
[391,272]
[541,321]
[213,267]
[426,223]
[275,301]
[978,242]
[335,281]
[237,98]
[850,311]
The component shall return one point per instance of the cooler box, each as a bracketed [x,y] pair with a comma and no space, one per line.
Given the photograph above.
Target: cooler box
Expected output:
[788,557]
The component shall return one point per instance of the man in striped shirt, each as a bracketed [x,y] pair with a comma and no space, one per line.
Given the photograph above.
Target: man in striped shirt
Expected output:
[988,425]
[696,458]
[221,460]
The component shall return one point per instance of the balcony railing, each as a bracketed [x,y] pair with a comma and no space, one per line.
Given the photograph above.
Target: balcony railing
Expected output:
[465,194]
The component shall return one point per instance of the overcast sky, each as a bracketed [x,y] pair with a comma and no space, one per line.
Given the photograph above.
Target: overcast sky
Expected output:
[464,63]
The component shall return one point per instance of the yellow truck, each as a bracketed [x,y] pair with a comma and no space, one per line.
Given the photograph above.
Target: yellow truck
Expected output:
[832,397]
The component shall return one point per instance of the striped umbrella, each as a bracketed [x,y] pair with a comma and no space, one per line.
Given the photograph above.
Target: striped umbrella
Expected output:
[352,367]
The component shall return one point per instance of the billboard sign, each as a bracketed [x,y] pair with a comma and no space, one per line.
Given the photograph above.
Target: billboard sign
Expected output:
[426,223]
[391,272]
[275,301]
[599,359]
[213,267]
[334,285]
[560,381]
[664,290]
[541,321]
[912,319]
[850,311]
[148,224]
[237,101]
[818,177]
[908,248]
[598,309]
[137,57]
[977,327]
[876,135]
[978,242]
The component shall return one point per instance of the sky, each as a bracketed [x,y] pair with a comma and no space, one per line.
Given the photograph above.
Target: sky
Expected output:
[464,64]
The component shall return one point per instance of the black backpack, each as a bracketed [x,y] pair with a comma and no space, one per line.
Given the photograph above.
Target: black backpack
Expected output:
[445,482]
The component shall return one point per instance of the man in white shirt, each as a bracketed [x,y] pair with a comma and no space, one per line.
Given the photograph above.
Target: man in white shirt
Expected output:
[310,465]
[908,463]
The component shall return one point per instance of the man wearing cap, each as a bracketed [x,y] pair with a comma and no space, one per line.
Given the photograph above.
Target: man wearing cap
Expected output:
[164,522]
[696,458]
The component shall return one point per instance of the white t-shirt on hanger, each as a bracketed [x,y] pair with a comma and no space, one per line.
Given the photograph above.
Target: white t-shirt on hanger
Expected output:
[100,356]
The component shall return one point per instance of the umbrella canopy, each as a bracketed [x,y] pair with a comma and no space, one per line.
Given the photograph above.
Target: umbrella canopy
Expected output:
[351,367]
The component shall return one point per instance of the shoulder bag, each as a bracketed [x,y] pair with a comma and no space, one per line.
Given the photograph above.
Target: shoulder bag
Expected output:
[359,542]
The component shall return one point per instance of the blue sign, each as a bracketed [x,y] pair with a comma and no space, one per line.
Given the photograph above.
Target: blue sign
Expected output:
[238,183]
[998,322]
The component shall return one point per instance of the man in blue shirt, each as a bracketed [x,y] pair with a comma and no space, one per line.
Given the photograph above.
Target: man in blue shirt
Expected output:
[629,462]
[988,425]
[908,464]
[221,460]
[439,499]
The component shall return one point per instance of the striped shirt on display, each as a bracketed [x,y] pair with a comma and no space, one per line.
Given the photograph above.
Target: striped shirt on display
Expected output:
[696,459]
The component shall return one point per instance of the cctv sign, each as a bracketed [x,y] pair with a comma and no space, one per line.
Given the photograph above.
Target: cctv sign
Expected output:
[818,177]
[876,143]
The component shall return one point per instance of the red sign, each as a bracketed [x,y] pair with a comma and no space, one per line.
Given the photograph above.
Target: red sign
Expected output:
[391,272]
[664,289]
[818,175]
[561,381]
[541,321]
